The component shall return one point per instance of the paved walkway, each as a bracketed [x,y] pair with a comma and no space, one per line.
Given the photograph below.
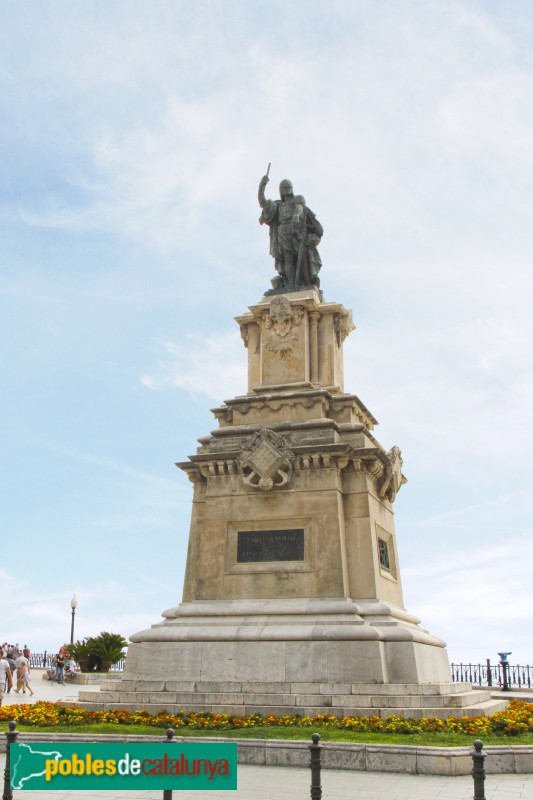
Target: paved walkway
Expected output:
[293,783]
[45,690]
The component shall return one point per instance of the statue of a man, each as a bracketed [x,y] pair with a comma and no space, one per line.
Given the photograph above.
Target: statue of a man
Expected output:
[295,233]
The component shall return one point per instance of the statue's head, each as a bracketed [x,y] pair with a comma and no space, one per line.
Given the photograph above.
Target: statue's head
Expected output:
[285,189]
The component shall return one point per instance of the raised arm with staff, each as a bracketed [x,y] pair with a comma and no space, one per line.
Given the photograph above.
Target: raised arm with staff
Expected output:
[295,233]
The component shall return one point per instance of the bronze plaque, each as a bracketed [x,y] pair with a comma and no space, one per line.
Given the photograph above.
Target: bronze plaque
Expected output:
[257,546]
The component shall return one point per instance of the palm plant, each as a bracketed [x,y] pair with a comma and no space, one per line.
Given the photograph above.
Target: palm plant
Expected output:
[99,653]
[81,652]
[107,649]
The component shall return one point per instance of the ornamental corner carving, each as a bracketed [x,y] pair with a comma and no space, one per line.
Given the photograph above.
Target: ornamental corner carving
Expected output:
[266,461]
[393,479]
[244,334]
[281,316]
[344,325]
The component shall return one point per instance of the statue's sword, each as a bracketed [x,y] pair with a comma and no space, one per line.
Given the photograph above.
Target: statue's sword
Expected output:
[303,240]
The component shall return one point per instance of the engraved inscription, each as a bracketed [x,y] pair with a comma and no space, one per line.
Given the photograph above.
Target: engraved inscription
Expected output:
[254,546]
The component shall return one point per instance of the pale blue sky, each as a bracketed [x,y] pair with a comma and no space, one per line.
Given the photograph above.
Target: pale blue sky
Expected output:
[133,137]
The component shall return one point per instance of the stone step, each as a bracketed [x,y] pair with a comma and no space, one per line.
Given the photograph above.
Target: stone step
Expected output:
[480,709]
[209,699]
[164,684]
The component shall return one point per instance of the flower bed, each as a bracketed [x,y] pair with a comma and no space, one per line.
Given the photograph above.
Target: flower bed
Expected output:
[515,720]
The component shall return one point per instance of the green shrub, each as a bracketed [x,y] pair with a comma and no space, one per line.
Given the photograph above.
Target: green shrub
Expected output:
[99,653]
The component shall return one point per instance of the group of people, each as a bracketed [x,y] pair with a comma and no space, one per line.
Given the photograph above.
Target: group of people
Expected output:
[15,670]
[63,666]
[15,664]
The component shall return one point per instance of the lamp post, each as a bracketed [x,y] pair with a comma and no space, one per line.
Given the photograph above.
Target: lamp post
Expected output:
[73,604]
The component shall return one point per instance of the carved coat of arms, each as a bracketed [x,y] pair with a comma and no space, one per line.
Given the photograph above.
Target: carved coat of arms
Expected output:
[266,461]
[281,316]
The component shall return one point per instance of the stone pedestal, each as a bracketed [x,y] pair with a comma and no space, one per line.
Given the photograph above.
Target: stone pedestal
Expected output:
[292,599]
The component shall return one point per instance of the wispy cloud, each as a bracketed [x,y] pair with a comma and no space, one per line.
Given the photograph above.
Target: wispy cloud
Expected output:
[393,137]
[213,366]
[491,512]
[478,598]
[43,619]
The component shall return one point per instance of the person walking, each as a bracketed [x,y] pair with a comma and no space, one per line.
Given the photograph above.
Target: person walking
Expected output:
[12,667]
[26,679]
[5,676]
[19,663]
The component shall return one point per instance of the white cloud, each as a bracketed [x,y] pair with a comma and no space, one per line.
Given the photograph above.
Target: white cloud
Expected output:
[360,128]
[214,366]
[42,619]
[489,120]
[478,598]
[502,512]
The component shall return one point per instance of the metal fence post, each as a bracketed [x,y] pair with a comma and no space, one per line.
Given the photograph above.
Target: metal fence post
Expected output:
[504,663]
[478,770]
[489,673]
[315,749]
[505,676]
[167,793]
[11,738]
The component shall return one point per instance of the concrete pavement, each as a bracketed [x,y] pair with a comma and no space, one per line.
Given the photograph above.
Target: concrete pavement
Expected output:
[45,690]
[292,783]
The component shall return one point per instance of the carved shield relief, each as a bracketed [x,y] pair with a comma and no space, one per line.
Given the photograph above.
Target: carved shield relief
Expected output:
[266,462]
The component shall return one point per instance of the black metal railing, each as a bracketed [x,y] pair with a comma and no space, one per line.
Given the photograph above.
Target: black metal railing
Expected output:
[42,659]
[517,676]
[46,659]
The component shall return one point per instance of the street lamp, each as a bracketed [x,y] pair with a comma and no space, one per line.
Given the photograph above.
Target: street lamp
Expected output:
[73,604]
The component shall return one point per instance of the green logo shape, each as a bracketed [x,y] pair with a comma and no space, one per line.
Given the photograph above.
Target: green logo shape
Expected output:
[112,765]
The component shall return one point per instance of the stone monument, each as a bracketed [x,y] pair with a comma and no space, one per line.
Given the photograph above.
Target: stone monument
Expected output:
[292,600]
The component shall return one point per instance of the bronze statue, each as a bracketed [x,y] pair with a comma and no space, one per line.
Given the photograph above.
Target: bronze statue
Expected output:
[295,233]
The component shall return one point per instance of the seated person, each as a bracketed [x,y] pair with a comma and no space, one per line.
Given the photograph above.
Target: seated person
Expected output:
[70,668]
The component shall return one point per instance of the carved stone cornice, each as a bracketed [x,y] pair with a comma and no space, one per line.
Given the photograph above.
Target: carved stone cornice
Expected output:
[266,461]
[337,407]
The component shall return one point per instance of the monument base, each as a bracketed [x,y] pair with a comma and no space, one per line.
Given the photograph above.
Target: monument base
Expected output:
[314,640]
[301,657]
[292,601]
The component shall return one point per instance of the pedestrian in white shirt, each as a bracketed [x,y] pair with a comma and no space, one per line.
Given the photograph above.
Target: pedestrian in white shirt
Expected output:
[5,676]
